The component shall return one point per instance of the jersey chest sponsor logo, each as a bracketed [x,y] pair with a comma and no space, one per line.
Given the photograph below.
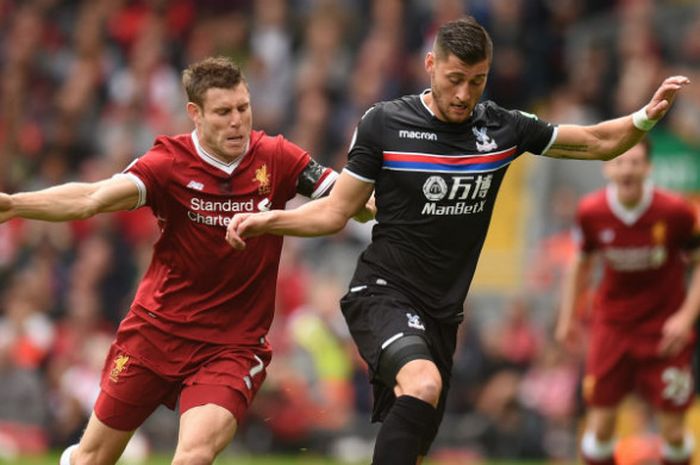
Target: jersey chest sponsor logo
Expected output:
[219,212]
[467,194]
[636,258]
[421,135]
[649,256]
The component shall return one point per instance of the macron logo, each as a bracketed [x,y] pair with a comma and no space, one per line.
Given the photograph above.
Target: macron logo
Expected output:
[406,134]
[195,185]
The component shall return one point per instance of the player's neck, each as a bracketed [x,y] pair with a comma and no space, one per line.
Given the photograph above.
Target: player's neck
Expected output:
[630,201]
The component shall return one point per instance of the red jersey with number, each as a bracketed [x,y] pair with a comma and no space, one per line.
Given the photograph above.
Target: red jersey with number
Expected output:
[197,286]
[645,256]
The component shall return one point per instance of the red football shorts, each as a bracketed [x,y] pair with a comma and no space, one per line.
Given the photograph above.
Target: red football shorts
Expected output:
[145,368]
[619,363]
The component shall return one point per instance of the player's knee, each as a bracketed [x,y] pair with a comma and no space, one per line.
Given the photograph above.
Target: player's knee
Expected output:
[425,389]
[194,456]
[420,379]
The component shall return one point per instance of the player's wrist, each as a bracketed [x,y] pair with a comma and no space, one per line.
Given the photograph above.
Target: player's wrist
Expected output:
[641,120]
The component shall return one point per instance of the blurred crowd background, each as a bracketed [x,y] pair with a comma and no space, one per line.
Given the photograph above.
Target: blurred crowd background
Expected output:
[85,86]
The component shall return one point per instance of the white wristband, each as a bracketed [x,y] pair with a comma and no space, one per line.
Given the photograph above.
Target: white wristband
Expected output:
[641,121]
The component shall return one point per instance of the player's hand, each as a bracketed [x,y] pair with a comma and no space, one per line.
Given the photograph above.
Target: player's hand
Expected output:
[244,225]
[664,96]
[5,207]
[232,235]
[675,334]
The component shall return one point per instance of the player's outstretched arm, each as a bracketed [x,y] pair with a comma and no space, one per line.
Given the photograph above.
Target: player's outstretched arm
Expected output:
[71,201]
[575,283]
[608,139]
[678,329]
[320,217]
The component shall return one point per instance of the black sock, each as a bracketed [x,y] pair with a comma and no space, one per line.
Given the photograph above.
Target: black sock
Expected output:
[402,434]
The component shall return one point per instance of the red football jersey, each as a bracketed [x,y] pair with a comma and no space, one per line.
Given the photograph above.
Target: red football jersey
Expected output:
[643,251]
[197,286]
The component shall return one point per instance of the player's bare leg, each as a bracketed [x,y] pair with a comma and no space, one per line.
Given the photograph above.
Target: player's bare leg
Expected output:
[597,445]
[100,445]
[677,447]
[204,432]
[410,420]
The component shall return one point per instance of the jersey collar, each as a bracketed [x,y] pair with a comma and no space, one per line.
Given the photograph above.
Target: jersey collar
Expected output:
[427,108]
[422,100]
[227,168]
[629,216]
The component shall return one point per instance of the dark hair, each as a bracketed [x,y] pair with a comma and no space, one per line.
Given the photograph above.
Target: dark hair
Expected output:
[219,72]
[466,39]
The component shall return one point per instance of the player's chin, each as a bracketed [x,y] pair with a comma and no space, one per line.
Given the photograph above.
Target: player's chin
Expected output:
[458,115]
[234,152]
[458,119]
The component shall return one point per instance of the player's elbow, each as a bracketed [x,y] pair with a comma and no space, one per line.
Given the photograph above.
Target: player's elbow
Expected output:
[86,209]
[336,223]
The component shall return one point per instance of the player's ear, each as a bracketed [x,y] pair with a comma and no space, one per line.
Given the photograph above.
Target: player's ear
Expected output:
[194,112]
[430,62]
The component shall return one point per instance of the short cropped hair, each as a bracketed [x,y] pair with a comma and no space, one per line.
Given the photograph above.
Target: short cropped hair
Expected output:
[466,39]
[218,72]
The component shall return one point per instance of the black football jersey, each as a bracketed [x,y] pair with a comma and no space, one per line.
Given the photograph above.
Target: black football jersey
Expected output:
[435,188]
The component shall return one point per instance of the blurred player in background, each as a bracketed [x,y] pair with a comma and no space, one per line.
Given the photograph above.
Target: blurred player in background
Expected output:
[641,336]
[195,332]
[435,161]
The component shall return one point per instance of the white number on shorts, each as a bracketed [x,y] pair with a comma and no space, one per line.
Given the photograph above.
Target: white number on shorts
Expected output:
[678,384]
[253,371]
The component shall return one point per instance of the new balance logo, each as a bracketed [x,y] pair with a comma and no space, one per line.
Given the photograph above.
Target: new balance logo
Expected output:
[405,134]
[195,185]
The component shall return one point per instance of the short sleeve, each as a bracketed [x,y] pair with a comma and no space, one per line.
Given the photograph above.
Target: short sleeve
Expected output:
[583,238]
[534,135]
[151,173]
[293,160]
[689,229]
[365,154]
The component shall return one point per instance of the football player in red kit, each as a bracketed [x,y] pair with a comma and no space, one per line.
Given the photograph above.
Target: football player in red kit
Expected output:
[195,332]
[641,335]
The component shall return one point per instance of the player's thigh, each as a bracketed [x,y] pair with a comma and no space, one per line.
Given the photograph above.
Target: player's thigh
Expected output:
[131,391]
[230,378]
[610,370]
[205,431]
[667,383]
[380,321]
[100,444]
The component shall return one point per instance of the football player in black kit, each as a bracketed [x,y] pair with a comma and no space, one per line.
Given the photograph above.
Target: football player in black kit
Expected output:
[435,162]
